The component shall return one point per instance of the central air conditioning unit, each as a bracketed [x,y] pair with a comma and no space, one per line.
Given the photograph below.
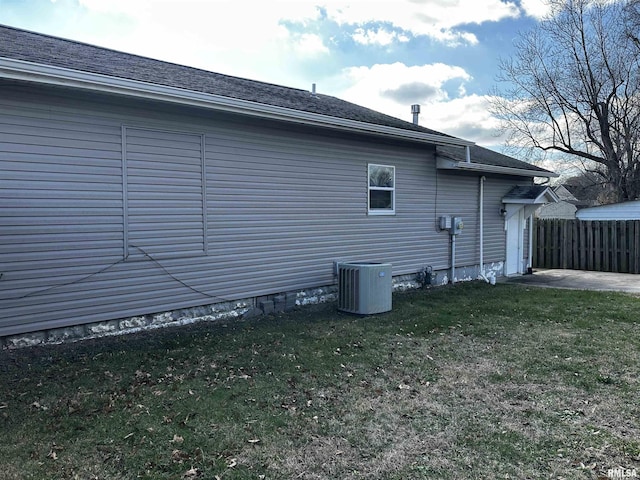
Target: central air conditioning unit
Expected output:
[364,288]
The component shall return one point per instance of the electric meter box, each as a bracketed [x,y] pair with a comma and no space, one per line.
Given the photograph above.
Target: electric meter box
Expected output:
[456,225]
[445,222]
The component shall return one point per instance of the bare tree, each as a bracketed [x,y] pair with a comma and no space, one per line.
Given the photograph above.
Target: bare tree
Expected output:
[589,189]
[632,21]
[572,89]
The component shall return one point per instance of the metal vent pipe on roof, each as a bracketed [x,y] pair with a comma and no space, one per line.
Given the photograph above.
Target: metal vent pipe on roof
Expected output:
[415,110]
[313,88]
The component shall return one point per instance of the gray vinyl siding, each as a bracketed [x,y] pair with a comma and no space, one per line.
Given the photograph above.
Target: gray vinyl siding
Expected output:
[495,189]
[282,203]
[459,195]
[165,193]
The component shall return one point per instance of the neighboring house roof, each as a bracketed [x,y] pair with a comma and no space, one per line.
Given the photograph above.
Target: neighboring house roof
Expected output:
[564,194]
[35,57]
[585,196]
[614,211]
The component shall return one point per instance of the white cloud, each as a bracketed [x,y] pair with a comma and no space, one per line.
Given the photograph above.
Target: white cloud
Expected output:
[246,39]
[367,82]
[309,44]
[536,8]
[433,18]
[381,37]
[242,22]
[464,116]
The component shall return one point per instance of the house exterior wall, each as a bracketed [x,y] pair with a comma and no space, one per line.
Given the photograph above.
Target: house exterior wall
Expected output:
[459,195]
[113,209]
[561,210]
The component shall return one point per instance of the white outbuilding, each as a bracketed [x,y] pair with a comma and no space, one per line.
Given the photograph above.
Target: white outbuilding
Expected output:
[616,211]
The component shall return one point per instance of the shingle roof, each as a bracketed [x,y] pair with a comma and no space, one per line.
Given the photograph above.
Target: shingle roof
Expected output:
[530,192]
[43,49]
[486,157]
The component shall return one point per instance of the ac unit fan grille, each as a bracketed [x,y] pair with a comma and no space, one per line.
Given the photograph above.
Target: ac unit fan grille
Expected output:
[349,289]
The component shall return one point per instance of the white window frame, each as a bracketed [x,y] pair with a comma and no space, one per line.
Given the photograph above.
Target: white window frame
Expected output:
[381,211]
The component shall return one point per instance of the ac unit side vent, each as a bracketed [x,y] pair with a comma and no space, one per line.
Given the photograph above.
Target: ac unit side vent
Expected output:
[364,288]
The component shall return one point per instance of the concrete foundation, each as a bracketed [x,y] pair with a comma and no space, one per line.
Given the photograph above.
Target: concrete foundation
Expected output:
[245,308]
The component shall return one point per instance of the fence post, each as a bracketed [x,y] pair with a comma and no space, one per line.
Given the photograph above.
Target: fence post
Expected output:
[547,243]
[614,246]
[624,252]
[565,244]
[574,245]
[606,247]
[597,249]
[554,243]
[636,247]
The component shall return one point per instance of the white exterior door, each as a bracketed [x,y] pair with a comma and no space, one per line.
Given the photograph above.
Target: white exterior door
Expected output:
[515,244]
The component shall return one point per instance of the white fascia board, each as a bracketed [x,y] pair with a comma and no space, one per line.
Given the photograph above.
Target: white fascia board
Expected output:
[64,77]
[445,164]
[520,201]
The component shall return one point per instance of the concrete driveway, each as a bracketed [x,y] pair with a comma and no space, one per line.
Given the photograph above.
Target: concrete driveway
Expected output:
[581,280]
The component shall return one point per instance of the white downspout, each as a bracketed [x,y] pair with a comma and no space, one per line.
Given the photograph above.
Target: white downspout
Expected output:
[453,258]
[481,234]
[530,259]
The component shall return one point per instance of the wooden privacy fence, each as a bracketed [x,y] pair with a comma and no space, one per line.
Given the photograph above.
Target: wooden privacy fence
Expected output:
[605,246]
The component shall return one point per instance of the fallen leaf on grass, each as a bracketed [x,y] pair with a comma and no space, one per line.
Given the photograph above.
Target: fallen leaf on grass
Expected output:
[254,440]
[177,439]
[179,456]
[192,473]
[39,406]
[232,462]
[403,386]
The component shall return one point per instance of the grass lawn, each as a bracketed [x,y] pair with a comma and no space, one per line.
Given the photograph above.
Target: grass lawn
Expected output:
[470,382]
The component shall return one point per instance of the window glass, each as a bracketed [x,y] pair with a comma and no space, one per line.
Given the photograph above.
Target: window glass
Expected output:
[382,189]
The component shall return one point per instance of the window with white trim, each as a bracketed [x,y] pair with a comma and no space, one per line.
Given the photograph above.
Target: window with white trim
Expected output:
[382,189]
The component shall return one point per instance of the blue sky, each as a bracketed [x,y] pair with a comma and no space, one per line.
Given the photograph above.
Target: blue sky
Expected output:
[385,55]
